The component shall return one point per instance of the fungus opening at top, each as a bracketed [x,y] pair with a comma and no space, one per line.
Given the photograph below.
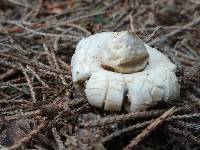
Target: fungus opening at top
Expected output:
[125,53]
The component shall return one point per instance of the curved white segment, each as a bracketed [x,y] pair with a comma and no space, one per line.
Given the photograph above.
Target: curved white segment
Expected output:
[116,92]
[80,68]
[80,72]
[139,94]
[158,60]
[96,89]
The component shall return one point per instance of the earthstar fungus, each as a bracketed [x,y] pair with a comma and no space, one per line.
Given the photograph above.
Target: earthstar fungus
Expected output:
[121,71]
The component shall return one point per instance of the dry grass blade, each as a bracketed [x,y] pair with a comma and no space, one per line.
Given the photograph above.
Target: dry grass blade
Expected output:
[33,95]
[152,34]
[58,139]
[186,116]
[23,115]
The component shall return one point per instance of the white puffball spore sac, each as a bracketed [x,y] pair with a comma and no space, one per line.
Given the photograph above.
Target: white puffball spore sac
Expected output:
[115,65]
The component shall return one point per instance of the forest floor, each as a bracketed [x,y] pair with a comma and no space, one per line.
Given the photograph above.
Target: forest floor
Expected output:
[40,108]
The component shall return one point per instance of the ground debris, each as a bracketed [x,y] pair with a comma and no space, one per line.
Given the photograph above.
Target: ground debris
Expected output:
[40,107]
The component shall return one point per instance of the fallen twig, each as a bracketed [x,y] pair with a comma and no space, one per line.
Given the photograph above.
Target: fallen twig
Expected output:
[128,129]
[119,118]
[150,128]
[28,137]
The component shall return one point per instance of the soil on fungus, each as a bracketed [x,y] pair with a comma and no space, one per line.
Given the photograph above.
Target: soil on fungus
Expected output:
[40,107]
